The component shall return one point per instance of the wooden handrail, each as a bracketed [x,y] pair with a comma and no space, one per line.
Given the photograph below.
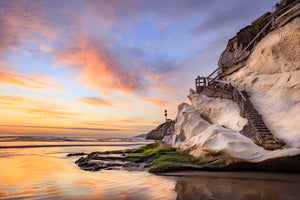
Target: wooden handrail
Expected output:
[296,6]
[255,38]
[233,84]
[213,72]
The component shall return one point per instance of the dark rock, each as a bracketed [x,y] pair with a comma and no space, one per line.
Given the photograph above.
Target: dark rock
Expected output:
[80,160]
[76,154]
[93,155]
[245,35]
[95,164]
[161,131]
[102,160]
[141,136]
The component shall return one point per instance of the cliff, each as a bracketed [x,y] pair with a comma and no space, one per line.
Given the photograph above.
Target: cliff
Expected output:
[269,72]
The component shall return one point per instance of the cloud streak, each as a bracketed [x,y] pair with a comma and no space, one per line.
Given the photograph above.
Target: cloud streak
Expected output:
[43,108]
[68,128]
[95,101]
[26,82]
[156,102]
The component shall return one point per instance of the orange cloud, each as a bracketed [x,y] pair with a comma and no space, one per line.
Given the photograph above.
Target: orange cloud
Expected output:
[97,68]
[156,102]
[32,106]
[26,82]
[95,101]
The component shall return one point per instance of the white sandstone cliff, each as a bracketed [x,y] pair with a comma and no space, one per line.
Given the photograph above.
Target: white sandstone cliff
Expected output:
[272,78]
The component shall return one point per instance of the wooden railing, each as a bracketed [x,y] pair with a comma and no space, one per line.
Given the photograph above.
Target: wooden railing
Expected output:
[230,89]
[273,19]
[257,130]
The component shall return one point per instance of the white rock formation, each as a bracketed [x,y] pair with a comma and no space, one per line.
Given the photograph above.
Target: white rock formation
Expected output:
[224,112]
[193,134]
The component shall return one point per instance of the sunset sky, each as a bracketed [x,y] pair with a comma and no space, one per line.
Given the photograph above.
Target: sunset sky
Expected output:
[108,67]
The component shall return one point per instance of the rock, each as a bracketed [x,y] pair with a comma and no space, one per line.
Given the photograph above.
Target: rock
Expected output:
[245,36]
[76,154]
[94,163]
[107,160]
[161,131]
[141,136]
[80,160]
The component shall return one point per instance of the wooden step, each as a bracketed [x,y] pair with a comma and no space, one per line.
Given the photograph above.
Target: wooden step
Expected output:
[262,130]
[253,115]
[262,134]
[256,117]
[260,126]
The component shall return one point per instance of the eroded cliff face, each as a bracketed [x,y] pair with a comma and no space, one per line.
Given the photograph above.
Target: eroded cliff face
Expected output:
[224,112]
[272,78]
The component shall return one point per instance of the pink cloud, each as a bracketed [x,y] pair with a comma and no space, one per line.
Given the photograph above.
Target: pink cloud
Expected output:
[95,101]
[26,24]
[97,69]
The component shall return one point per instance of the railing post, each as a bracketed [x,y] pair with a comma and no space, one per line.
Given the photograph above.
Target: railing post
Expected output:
[243,107]
[197,83]
[230,86]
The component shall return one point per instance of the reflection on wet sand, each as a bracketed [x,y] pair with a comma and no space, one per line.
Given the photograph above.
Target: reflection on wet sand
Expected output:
[239,186]
[47,173]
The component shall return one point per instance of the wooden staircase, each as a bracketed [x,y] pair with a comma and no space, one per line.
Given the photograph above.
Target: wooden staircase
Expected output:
[255,128]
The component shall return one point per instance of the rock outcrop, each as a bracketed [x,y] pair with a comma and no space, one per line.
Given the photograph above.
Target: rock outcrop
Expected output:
[240,47]
[165,129]
[271,76]
[269,73]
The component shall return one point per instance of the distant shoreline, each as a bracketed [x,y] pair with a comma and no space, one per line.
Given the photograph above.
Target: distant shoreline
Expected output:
[67,145]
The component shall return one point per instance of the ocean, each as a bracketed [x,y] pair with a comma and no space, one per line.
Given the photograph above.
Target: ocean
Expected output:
[38,168]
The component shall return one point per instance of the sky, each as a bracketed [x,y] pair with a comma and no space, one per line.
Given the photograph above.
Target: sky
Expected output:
[108,67]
